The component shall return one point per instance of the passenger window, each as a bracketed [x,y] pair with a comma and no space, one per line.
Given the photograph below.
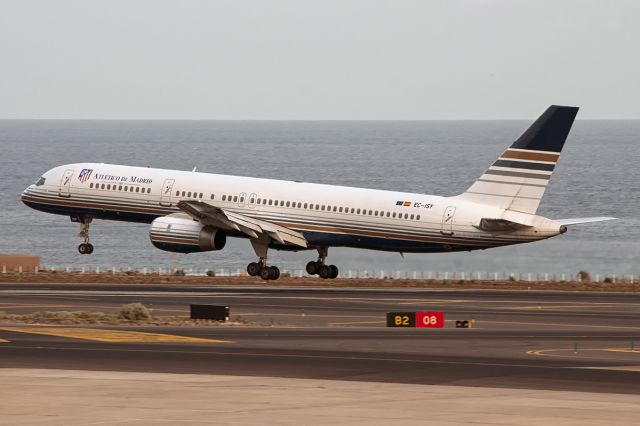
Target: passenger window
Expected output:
[183,193]
[235,198]
[224,198]
[90,185]
[305,205]
[259,200]
[177,192]
[126,188]
[317,206]
[189,194]
[288,203]
[352,210]
[418,217]
[411,217]
[201,195]
[102,186]
[406,215]
[131,188]
[323,207]
[299,204]
[281,203]
[388,214]
[358,211]
[270,202]
[242,199]
[213,196]
[394,214]
[120,188]
[108,187]
[340,210]
[370,212]
[138,189]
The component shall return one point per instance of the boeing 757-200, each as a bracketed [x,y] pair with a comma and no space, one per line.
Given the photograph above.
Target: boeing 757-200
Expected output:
[196,212]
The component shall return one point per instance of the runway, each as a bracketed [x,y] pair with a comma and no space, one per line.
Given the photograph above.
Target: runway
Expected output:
[521,339]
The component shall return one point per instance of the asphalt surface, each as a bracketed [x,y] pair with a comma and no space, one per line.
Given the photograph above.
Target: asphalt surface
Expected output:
[521,339]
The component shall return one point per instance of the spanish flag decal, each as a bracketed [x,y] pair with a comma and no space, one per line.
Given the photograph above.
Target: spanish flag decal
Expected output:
[406,204]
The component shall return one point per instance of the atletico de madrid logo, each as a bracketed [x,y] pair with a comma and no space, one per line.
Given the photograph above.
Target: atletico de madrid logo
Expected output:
[85,174]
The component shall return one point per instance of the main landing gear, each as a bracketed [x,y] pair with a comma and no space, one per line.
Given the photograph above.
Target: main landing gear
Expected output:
[86,247]
[260,268]
[319,268]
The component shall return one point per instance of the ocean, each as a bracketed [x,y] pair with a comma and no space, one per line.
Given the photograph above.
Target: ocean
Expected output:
[598,175]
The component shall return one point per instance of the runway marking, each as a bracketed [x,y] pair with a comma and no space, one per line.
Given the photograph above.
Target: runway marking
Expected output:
[111,336]
[5,341]
[632,368]
[562,325]
[356,322]
[433,302]
[561,306]
[40,305]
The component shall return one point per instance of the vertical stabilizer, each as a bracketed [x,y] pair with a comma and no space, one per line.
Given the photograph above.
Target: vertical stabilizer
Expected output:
[517,180]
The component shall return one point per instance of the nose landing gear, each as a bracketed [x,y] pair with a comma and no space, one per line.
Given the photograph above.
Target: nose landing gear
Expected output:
[86,247]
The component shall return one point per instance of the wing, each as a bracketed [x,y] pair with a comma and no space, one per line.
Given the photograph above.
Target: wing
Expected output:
[254,228]
[577,220]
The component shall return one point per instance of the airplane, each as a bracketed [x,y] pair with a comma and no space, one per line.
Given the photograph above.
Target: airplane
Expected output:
[196,212]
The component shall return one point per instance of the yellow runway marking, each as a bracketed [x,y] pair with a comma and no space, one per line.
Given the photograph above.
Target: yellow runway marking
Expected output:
[569,353]
[5,341]
[633,368]
[113,336]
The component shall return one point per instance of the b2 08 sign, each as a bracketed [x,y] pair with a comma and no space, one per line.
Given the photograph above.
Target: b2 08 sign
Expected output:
[415,319]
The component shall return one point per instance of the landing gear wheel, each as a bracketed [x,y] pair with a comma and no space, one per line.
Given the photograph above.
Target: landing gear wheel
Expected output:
[253,269]
[325,271]
[89,248]
[334,272]
[265,273]
[313,267]
[82,248]
[274,273]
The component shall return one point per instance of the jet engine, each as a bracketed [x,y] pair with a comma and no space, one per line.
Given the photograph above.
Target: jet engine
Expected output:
[180,233]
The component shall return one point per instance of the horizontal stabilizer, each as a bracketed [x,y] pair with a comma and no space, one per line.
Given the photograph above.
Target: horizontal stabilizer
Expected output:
[577,220]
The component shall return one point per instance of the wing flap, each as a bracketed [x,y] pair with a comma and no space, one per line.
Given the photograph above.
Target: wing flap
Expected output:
[225,219]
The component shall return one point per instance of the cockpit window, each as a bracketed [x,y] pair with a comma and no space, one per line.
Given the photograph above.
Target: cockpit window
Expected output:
[40,181]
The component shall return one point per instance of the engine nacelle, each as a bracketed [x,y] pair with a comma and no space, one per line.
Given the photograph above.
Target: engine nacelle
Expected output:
[179,233]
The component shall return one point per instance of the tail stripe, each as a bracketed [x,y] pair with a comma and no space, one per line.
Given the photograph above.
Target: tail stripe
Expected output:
[530,155]
[525,165]
[517,174]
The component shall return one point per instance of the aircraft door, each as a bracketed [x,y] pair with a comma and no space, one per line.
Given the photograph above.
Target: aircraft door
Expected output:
[447,221]
[65,183]
[165,196]
[242,199]
[252,201]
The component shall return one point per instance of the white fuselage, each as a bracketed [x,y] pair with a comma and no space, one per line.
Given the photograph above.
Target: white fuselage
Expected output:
[326,215]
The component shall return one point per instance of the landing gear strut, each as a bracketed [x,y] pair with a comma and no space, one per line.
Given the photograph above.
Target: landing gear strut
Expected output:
[319,268]
[86,247]
[260,268]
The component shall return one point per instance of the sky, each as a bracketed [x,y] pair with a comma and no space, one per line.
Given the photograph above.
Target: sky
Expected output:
[318,60]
